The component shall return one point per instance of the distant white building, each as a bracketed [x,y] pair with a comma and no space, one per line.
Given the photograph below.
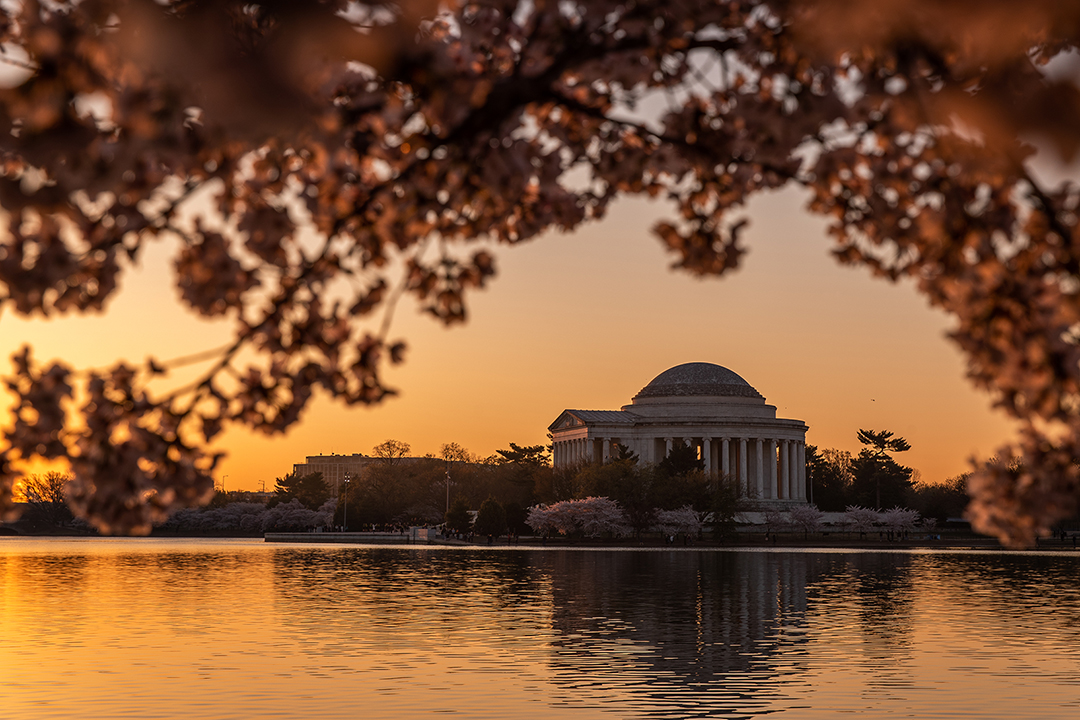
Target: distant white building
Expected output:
[707,407]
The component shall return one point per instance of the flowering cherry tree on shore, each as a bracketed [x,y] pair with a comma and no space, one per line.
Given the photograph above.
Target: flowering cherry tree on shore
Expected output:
[776,520]
[681,521]
[249,517]
[900,519]
[861,520]
[588,517]
[807,518]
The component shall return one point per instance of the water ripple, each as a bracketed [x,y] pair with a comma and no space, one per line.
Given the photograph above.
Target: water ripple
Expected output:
[234,629]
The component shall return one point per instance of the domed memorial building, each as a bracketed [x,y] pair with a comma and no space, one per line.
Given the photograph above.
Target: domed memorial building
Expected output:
[710,408]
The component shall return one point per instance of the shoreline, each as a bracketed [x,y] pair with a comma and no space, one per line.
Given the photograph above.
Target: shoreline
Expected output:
[749,540]
[782,543]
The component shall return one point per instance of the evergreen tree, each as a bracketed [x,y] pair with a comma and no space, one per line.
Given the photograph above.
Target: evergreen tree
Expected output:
[490,519]
[457,517]
[537,455]
[724,502]
[682,459]
[311,490]
[878,480]
[623,453]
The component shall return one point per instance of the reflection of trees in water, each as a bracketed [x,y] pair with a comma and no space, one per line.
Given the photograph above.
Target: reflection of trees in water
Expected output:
[864,607]
[37,590]
[875,592]
[1006,588]
[134,587]
[381,576]
[383,598]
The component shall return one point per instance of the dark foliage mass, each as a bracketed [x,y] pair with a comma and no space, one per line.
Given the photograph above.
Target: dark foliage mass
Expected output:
[397,133]
[490,518]
[871,481]
[311,489]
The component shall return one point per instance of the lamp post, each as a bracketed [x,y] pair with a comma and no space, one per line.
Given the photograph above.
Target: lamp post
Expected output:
[345,518]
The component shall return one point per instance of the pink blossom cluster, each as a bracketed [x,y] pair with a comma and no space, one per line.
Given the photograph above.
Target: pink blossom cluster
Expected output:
[863,519]
[590,517]
[682,521]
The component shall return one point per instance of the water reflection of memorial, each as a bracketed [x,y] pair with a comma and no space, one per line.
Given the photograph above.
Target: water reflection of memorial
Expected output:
[724,628]
[669,633]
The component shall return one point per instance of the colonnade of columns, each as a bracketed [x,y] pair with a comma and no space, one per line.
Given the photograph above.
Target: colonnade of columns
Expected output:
[578,450]
[765,468]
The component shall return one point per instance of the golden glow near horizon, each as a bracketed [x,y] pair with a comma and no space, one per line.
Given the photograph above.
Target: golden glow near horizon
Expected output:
[584,320]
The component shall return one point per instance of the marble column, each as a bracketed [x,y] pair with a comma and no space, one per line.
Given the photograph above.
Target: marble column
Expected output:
[607,449]
[773,492]
[706,452]
[793,473]
[800,485]
[759,467]
[785,478]
[742,468]
[801,453]
[668,442]
[725,458]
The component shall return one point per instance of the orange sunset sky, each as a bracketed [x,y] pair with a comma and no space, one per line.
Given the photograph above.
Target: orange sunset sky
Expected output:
[584,320]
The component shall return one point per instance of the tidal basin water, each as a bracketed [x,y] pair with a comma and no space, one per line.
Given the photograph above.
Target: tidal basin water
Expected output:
[242,629]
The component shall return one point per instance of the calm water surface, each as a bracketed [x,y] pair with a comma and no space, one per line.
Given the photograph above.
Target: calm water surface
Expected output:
[242,629]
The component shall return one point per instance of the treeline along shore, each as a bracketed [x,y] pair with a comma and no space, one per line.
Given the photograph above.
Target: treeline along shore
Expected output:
[867,499]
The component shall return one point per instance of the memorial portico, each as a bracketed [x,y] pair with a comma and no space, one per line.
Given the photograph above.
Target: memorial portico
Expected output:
[711,409]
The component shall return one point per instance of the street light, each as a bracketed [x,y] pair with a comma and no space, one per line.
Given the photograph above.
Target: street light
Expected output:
[345,518]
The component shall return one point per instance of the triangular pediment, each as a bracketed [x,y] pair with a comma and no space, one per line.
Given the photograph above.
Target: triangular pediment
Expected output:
[582,418]
[566,420]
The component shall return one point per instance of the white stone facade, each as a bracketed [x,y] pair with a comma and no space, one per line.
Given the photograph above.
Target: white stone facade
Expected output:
[708,407]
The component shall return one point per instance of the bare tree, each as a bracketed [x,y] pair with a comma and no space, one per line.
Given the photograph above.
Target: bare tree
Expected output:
[390,450]
[47,497]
